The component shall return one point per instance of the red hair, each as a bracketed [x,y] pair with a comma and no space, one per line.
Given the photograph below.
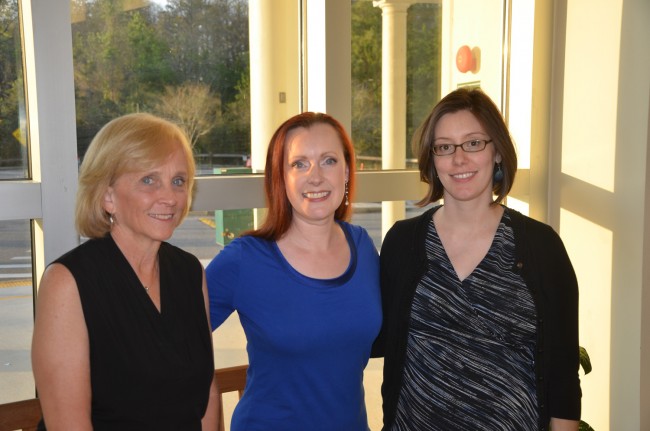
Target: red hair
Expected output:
[280,213]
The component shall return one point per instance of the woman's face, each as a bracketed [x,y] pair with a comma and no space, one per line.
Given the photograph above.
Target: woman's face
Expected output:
[464,176]
[315,172]
[148,205]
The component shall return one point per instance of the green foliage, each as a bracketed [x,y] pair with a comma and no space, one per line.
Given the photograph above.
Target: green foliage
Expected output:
[150,64]
[132,56]
[184,61]
[423,50]
[12,98]
[423,71]
[585,362]
[234,135]
[584,426]
[366,78]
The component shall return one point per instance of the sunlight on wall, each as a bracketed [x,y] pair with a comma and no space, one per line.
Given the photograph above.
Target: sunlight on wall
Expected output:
[590,248]
[518,205]
[592,56]
[477,25]
[316,60]
[521,76]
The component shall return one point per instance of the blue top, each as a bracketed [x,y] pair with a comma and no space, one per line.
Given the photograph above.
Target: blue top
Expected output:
[308,339]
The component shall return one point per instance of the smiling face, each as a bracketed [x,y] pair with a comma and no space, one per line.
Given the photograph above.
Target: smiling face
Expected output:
[464,176]
[147,205]
[315,172]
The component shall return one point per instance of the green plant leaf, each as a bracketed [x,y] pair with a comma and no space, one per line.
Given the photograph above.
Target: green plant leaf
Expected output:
[585,362]
[584,426]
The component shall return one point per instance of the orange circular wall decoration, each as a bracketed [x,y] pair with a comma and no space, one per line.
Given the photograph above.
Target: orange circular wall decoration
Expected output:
[464,59]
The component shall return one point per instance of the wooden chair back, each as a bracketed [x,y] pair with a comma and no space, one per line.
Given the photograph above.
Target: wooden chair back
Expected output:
[20,415]
[229,379]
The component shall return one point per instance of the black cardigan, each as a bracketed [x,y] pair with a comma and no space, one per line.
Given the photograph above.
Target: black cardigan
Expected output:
[543,263]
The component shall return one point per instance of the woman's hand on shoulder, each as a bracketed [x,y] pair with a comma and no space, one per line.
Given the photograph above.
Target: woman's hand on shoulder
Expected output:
[60,353]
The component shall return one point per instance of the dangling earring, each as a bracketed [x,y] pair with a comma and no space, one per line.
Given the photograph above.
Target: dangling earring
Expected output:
[498,174]
[110,218]
[347,202]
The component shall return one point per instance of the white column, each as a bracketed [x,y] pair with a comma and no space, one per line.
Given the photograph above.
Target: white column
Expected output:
[393,103]
[274,73]
[328,58]
[274,70]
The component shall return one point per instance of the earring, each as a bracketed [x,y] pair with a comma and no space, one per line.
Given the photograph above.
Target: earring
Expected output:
[347,201]
[110,218]
[498,174]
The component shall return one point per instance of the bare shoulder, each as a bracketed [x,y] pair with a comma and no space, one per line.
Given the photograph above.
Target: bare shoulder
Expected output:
[60,351]
[57,274]
[57,300]
[60,335]
[57,282]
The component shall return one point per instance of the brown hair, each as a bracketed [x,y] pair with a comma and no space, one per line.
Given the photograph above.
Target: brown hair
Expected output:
[488,114]
[126,144]
[279,214]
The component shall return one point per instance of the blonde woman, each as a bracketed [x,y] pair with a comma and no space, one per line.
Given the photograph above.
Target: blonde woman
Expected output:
[122,337]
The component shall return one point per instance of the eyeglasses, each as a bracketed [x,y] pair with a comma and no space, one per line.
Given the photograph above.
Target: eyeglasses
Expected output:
[473,146]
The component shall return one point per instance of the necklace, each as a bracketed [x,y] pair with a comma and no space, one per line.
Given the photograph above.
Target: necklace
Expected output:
[152,280]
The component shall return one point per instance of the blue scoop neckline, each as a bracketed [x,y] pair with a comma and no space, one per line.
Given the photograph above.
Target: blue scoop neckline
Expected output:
[323,282]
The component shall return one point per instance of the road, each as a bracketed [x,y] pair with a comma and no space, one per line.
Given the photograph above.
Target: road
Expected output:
[196,235]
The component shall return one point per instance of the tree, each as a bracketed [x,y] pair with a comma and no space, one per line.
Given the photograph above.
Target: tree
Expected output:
[234,135]
[424,25]
[366,78]
[12,100]
[150,67]
[209,42]
[423,71]
[121,61]
[192,106]
[101,66]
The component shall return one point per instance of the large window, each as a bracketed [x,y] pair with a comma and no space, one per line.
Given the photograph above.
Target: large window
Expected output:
[188,61]
[13,121]
[183,60]
[16,311]
[16,299]
[422,40]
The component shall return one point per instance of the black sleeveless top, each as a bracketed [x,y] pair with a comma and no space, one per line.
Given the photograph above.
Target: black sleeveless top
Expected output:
[150,370]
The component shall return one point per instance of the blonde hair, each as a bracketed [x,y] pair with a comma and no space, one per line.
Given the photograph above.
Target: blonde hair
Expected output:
[129,143]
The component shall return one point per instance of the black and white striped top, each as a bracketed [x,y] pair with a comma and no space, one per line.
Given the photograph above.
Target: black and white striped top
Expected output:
[470,350]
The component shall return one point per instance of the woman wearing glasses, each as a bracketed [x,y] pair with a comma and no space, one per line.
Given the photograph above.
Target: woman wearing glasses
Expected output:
[480,302]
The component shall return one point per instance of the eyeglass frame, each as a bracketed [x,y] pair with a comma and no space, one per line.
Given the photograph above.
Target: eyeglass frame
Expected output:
[461,145]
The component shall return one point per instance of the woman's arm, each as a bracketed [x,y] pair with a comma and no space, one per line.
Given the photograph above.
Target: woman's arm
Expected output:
[561,348]
[60,353]
[211,418]
[564,425]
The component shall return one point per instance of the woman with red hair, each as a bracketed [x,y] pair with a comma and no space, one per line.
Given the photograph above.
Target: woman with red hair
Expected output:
[305,286]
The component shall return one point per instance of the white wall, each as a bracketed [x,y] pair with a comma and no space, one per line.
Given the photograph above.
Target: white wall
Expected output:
[601,90]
